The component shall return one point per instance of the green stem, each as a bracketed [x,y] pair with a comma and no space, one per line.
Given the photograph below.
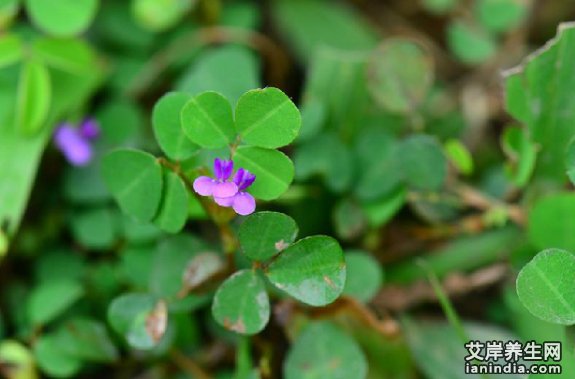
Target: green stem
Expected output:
[446,305]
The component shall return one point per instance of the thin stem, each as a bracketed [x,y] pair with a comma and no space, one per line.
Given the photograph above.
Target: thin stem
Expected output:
[446,305]
[188,365]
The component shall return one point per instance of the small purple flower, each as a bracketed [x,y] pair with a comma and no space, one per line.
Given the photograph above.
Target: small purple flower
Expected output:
[76,142]
[242,202]
[225,192]
[220,186]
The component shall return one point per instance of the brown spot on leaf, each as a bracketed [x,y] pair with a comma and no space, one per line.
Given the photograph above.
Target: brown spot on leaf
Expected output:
[157,321]
[281,245]
[328,281]
[237,326]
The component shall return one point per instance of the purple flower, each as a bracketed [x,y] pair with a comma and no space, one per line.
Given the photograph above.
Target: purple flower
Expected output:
[76,142]
[225,192]
[242,202]
[220,186]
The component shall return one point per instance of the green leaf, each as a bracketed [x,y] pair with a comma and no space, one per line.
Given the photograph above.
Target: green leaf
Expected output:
[167,125]
[135,180]
[340,27]
[229,69]
[52,358]
[522,154]
[438,351]
[423,164]
[570,161]
[459,156]
[469,43]
[264,234]
[64,17]
[171,265]
[34,98]
[201,268]
[338,80]
[327,156]
[267,118]
[87,340]
[545,286]
[380,211]
[159,15]
[208,121]
[173,211]
[71,55]
[349,219]
[137,265]
[364,275]
[324,351]
[313,117]
[380,173]
[59,263]
[539,94]
[50,299]
[400,73]
[551,222]
[95,228]
[501,15]
[241,303]
[85,185]
[10,49]
[139,318]
[273,169]
[312,270]
[120,121]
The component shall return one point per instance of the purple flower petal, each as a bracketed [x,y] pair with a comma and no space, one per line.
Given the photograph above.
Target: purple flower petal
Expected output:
[244,203]
[227,169]
[239,176]
[78,153]
[204,185]
[225,201]
[218,168]
[76,149]
[89,129]
[247,180]
[226,189]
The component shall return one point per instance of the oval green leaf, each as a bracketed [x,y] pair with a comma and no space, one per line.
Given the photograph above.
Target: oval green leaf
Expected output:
[160,15]
[423,163]
[324,351]
[135,180]
[173,211]
[264,234]
[267,118]
[551,222]
[51,299]
[241,303]
[63,17]
[207,120]
[34,97]
[71,55]
[167,125]
[139,318]
[400,74]
[469,43]
[311,270]
[95,228]
[545,286]
[273,169]
[364,275]
[10,49]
